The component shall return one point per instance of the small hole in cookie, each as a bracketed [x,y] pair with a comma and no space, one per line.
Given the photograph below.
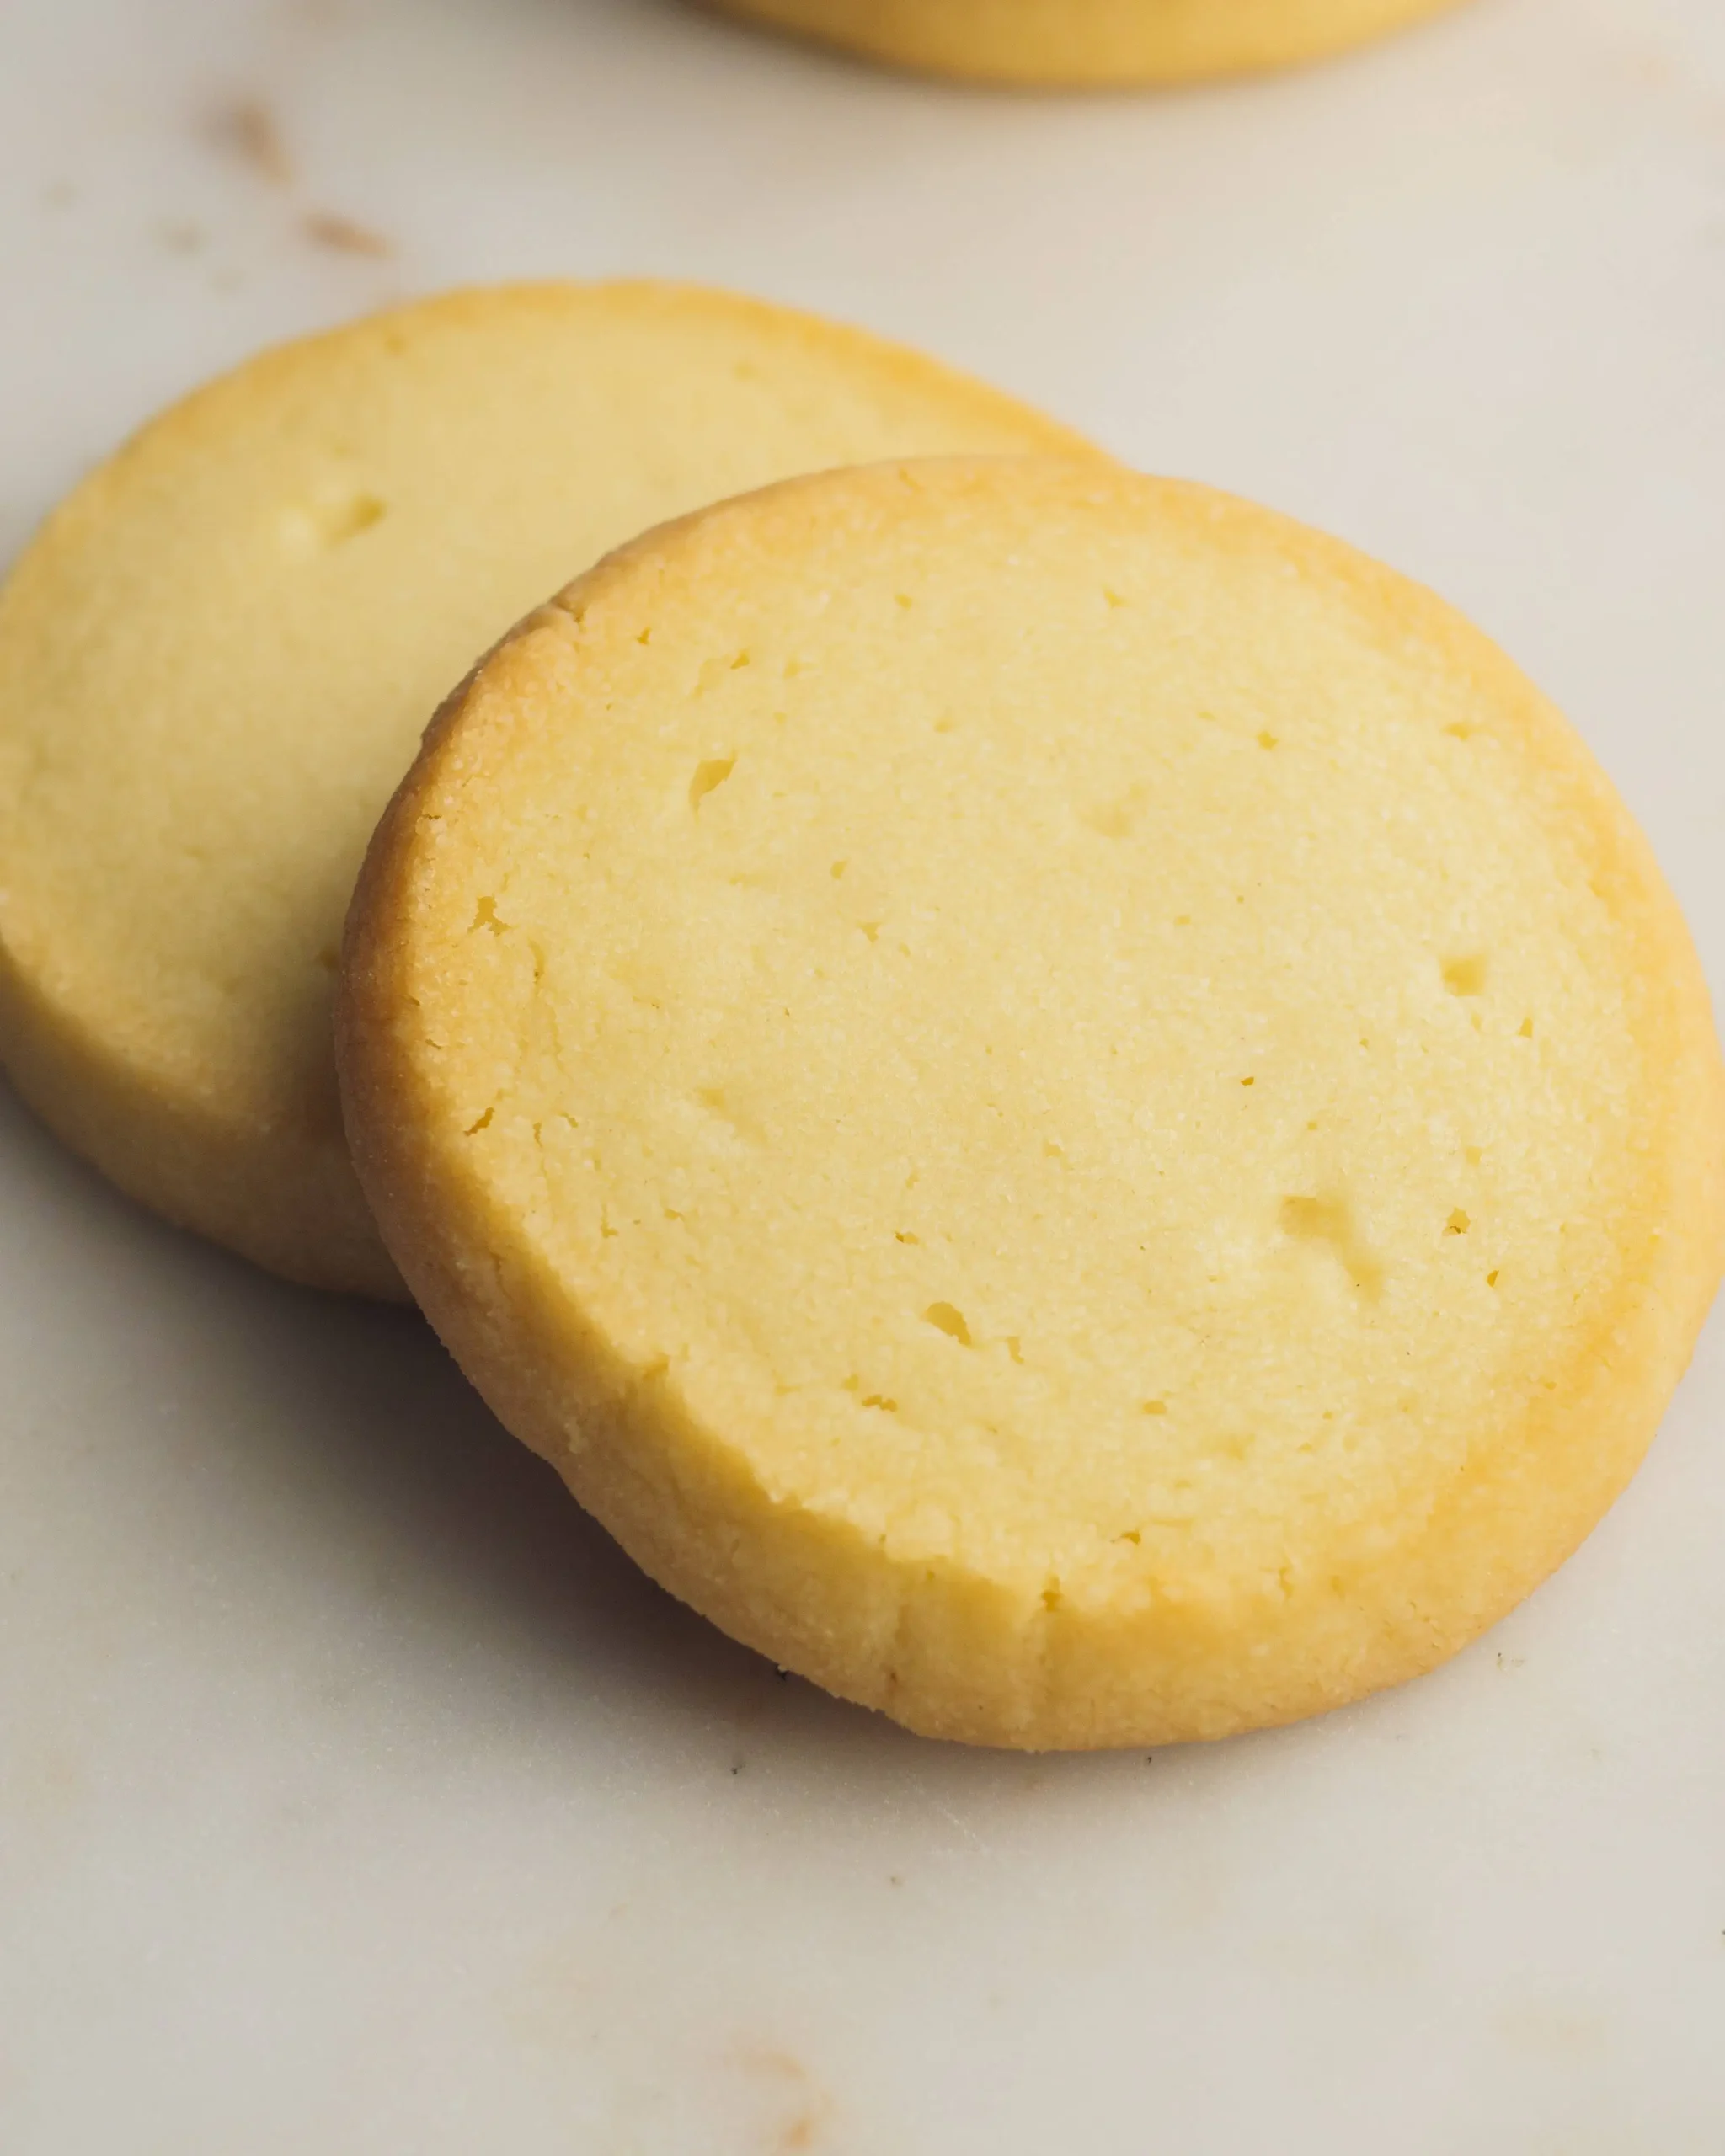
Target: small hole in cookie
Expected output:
[485,916]
[1458,1222]
[331,521]
[947,1320]
[1330,1220]
[877,1400]
[1491,1279]
[1526,1031]
[709,778]
[1155,1407]
[1267,741]
[358,514]
[1464,976]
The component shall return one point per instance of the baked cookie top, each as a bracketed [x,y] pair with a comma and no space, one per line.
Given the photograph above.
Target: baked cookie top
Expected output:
[216,659]
[1068,1106]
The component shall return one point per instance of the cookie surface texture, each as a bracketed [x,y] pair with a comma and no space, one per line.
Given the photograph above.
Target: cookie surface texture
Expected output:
[217,659]
[1075,43]
[1066,1106]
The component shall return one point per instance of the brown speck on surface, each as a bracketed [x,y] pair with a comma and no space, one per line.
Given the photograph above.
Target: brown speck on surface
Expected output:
[812,2106]
[247,130]
[59,195]
[181,235]
[324,228]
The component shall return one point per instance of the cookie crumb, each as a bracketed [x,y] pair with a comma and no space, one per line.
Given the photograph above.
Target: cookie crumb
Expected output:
[343,236]
[247,130]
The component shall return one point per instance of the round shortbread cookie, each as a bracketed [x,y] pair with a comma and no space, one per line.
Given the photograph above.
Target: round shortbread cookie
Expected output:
[1075,43]
[216,659]
[1068,1106]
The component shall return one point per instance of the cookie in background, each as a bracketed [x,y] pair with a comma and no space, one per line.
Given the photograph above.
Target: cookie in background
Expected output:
[1076,44]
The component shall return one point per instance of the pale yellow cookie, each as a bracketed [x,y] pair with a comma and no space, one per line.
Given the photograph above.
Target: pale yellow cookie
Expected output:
[1067,1105]
[216,660]
[1079,43]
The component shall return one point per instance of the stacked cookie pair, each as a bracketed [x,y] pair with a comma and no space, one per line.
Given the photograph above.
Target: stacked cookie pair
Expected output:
[1069,1107]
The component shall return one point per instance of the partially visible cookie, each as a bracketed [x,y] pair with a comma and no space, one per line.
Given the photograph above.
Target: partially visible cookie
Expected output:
[1068,1106]
[216,659]
[1074,43]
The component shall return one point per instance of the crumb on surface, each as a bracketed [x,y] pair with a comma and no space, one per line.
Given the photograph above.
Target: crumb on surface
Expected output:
[344,236]
[248,130]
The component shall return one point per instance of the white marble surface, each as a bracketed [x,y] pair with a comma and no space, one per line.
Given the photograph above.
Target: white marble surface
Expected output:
[355,1796]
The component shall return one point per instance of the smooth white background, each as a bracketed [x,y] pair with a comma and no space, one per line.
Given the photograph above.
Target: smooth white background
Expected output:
[355,1795]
